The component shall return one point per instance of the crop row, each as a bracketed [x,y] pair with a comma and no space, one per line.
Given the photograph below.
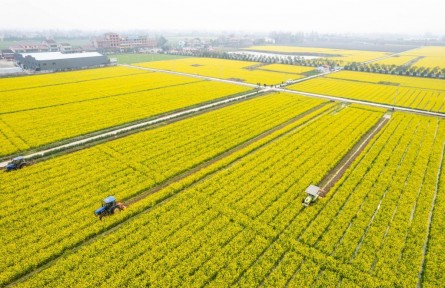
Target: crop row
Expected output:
[434,266]
[17,83]
[376,217]
[431,100]
[216,231]
[78,92]
[405,81]
[54,199]
[29,129]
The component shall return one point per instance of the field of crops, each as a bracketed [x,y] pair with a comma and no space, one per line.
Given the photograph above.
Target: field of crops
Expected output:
[364,86]
[198,232]
[74,109]
[124,168]
[215,198]
[397,60]
[433,56]
[405,81]
[11,84]
[346,56]
[291,69]
[431,62]
[379,212]
[243,71]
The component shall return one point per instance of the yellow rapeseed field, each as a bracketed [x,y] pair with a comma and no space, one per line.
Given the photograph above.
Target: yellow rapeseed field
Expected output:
[419,98]
[58,112]
[397,60]
[225,69]
[417,82]
[292,69]
[64,77]
[433,56]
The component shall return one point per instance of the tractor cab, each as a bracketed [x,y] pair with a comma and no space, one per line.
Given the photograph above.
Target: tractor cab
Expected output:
[16,163]
[109,206]
[109,201]
[313,192]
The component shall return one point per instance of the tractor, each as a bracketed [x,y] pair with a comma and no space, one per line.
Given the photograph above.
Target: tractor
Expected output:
[109,207]
[313,192]
[16,163]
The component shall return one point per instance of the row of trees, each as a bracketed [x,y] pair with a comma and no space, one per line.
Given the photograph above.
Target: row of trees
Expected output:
[418,71]
[261,58]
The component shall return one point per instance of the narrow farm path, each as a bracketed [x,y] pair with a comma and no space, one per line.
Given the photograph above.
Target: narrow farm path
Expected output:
[343,165]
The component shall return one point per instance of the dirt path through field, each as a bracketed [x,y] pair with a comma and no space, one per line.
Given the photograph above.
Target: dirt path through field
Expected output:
[337,172]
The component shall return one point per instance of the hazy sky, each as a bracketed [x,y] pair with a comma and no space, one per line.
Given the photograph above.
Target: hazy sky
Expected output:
[341,16]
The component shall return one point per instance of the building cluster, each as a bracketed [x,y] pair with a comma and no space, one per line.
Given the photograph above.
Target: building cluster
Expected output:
[235,41]
[49,55]
[45,46]
[113,42]
[194,44]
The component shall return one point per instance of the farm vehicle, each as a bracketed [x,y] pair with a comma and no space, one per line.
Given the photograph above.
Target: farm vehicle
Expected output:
[109,207]
[313,192]
[17,163]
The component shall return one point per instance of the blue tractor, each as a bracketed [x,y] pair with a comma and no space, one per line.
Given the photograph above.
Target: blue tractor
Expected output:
[109,207]
[16,163]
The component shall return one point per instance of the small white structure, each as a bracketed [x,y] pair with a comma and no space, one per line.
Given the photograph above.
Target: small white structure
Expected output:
[312,190]
[65,48]
[323,69]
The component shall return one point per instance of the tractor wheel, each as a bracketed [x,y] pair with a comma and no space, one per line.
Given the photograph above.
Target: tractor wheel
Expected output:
[116,210]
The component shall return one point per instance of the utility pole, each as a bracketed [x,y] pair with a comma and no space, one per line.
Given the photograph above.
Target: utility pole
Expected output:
[395,97]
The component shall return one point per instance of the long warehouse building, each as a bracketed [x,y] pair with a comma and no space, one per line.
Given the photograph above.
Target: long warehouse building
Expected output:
[57,61]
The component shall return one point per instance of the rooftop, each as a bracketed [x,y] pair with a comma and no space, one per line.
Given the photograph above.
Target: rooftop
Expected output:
[109,199]
[58,55]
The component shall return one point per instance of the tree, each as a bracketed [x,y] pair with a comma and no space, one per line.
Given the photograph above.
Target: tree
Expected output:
[162,41]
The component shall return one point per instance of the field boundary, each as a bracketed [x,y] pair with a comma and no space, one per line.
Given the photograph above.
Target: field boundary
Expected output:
[102,97]
[64,83]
